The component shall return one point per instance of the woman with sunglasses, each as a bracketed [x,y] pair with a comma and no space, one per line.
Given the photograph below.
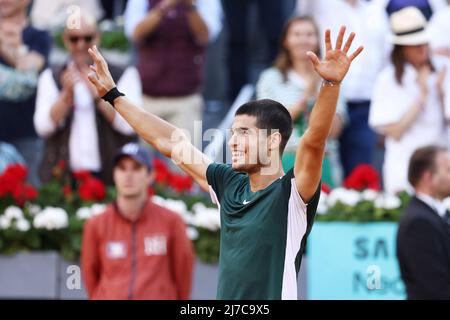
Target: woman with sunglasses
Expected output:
[77,126]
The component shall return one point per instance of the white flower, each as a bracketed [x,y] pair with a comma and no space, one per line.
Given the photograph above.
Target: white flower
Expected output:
[192,233]
[322,207]
[345,196]
[83,213]
[98,208]
[388,202]
[207,218]
[5,223]
[13,212]
[51,218]
[158,200]
[392,202]
[34,209]
[23,225]
[177,206]
[369,195]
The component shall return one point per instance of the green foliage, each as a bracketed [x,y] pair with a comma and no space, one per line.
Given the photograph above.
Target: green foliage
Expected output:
[207,245]
[110,40]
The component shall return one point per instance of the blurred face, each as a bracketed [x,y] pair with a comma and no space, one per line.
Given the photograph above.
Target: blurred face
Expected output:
[10,8]
[440,179]
[301,38]
[416,55]
[251,148]
[78,41]
[131,178]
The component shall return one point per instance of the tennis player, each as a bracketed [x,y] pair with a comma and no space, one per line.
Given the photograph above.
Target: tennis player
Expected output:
[266,214]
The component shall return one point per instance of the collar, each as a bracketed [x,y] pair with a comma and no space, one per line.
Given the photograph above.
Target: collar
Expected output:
[435,204]
[141,213]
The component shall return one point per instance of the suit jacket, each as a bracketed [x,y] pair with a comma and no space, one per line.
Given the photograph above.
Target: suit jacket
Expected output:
[423,252]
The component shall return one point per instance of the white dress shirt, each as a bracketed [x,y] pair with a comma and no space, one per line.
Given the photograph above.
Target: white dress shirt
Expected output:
[371,25]
[83,141]
[390,103]
[210,11]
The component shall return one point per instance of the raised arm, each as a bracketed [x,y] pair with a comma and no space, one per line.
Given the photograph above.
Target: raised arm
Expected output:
[332,69]
[164,137]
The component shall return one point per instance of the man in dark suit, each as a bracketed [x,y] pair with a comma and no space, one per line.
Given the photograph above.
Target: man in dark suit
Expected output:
[423,238]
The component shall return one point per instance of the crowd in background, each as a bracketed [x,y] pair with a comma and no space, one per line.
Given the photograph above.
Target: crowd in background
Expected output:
[392,102]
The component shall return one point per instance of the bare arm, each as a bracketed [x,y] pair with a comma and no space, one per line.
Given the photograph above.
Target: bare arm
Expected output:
[396,130]
[311,149]
[164,137]
[197,25]
[149,24]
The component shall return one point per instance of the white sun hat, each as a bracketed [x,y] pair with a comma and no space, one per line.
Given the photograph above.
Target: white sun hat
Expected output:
[409,27]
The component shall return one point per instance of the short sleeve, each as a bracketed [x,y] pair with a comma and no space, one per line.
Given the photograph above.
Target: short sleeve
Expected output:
[219,176]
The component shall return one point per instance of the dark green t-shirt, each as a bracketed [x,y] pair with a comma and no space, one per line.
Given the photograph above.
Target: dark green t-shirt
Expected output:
[263,234]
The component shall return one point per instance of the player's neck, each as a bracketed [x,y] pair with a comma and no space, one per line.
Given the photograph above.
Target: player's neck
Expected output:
[264,177]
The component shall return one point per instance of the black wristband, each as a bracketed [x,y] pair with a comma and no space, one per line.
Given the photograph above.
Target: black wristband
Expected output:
[111,95]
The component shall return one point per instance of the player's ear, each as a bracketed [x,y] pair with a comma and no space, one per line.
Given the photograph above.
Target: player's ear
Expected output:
[275,141]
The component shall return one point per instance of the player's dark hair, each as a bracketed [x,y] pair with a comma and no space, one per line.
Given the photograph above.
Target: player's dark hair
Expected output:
[270,115]
[422,160]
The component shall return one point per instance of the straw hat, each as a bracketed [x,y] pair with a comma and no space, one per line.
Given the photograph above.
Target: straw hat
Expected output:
[409,27]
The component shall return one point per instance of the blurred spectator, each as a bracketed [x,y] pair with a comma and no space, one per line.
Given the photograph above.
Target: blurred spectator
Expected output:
[439,28]
[293,82]
[8,156]
[271,19]
[423,237]
[17,85]
[358,141]
[136,249]
[427,7]
[24,49]
[77,125]
[52,14]
[171,37]
[408,98]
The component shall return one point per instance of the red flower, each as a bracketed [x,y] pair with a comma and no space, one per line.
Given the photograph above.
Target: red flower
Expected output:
[12,182]
[67,190]
[364,176]
[61,165]
[326,188]
[162,173]
[92,189]
[82,175]
[23,193]
[16,173]
[180,183]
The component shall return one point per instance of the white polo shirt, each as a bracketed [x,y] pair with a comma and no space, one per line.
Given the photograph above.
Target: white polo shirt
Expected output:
[390,103]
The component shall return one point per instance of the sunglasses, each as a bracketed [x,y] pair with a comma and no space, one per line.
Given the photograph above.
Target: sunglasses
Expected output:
[75,39]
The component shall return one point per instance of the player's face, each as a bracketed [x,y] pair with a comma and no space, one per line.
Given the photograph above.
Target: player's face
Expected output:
[248,144]
[131,178]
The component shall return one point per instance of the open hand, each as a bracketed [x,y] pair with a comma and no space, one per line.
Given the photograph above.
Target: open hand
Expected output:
[100,76]
[336,63]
